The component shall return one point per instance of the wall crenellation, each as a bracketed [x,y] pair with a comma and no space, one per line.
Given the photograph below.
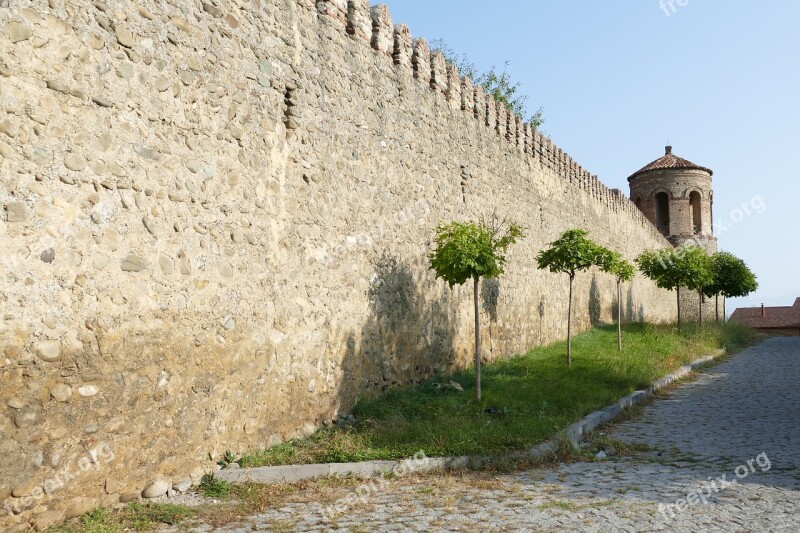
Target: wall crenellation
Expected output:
[468,97]
[421,60]
[501,117]
[403,50]
[438,73]
[454,86]
[491,111]
[359,21]
[413,57]
[526,138]
[382,29]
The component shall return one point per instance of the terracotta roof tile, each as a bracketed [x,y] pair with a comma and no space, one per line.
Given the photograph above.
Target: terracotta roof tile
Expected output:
[669,160]
[774,317]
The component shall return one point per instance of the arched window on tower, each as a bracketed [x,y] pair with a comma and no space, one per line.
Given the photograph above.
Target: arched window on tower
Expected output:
[638,202]
[662,212]
[697,220]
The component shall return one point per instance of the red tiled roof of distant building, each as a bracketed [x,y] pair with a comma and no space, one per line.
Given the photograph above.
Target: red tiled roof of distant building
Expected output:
[670,160]
[771,317]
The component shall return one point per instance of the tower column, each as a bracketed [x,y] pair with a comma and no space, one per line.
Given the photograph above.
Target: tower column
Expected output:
[680,216]
[707,218]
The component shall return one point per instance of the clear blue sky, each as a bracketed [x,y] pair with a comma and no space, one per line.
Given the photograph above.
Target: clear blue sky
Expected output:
[618,80]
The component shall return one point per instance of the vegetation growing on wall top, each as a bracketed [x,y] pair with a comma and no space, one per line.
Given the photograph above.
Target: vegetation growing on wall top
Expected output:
[498,84]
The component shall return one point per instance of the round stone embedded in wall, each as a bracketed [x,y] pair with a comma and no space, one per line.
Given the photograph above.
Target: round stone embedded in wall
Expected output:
[124,36]
[18,32]
[228,322]
[26,417]
[133,263]
[61,392]
[79,507]
[156,489]
[129,497]
[48,351]
[48,255]
[166,264]
[88,390]
[11,351]
[74,162]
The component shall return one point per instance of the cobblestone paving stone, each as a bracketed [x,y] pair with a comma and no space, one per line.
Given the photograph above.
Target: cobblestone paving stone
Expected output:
[702,431]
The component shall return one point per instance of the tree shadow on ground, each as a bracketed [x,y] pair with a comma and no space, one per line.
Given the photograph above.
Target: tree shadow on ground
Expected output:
[634,482]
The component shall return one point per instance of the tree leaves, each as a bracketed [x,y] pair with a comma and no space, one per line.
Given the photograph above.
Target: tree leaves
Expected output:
[685,266]
[466,250]
[732,277]
[613,263]
[570,253]
[498,84]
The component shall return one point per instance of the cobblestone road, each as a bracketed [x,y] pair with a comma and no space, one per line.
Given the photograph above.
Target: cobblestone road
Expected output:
[740,417]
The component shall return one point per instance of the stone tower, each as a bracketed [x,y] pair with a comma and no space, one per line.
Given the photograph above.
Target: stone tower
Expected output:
[676,196]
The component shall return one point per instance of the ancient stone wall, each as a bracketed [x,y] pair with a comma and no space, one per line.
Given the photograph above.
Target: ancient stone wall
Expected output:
[216,218]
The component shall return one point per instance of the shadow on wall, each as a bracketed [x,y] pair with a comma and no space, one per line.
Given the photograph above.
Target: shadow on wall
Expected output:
[632,315]
[629,306]
[490,293]
[628,313]
[408,335]
[595,304]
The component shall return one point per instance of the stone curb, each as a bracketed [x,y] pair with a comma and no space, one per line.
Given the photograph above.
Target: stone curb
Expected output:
[292,473]
[593,420]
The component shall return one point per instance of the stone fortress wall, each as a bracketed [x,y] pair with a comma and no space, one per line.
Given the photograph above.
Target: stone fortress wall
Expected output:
[215,228]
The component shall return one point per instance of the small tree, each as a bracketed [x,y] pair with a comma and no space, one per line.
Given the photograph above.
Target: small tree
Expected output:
[732,278]
[613,263]
[569,254]
[686,266]
[473,251]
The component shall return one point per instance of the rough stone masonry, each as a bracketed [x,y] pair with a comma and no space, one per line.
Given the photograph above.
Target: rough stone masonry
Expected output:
[214,230]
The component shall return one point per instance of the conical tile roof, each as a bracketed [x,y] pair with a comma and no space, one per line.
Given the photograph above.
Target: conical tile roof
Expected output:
[669,160]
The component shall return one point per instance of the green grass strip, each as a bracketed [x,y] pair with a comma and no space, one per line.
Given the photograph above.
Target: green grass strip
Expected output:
[526,399]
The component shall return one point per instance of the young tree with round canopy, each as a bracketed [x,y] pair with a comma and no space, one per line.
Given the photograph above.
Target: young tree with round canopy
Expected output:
[672,268]
[466,250]
[613,263]
[732,278]
[571,253]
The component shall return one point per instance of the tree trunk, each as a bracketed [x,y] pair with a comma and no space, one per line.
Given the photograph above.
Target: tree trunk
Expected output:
[700,295]
[716,307]
[569,324]
[619,315]
[477,344]
[679,307]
